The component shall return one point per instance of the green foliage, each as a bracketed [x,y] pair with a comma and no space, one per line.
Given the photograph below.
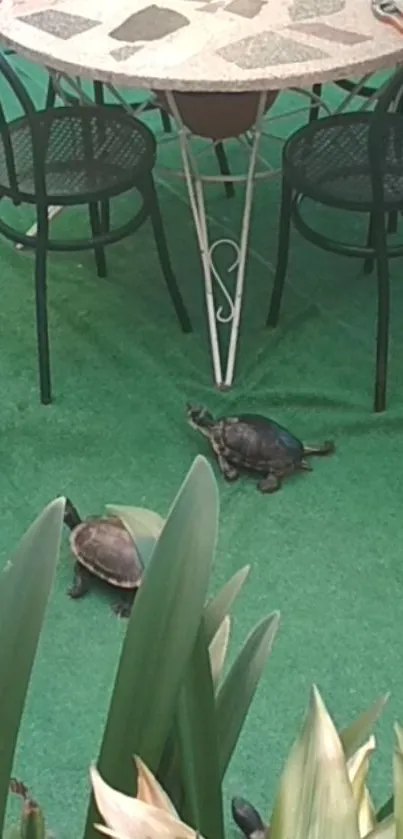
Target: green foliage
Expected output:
[166,707]
[322,790]
[25,585]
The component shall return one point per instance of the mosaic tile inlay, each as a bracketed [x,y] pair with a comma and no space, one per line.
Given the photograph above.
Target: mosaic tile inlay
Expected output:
[203,45]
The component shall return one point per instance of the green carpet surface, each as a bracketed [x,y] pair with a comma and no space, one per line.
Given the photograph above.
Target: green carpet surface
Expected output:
[326,550]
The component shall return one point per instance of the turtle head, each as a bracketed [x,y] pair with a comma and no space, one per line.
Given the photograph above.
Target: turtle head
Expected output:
[199,418]
[71,516]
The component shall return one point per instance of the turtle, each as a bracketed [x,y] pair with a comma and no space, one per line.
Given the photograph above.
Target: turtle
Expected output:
[254,443]
[103,548]
[247,818]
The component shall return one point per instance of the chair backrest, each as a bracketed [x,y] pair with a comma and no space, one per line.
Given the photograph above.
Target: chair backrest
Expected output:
[36,134]
[381,141]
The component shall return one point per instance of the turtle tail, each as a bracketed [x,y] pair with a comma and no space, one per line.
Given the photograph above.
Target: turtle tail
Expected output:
[328,447]
[248,819]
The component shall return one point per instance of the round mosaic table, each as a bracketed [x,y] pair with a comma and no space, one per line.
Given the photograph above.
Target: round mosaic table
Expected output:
[205,46]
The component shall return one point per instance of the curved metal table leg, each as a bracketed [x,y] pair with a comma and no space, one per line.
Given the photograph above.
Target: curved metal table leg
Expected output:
[223,368]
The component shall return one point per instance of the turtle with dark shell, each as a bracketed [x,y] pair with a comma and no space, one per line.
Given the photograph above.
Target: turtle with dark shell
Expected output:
[103,548]
[247,818]
[254,443]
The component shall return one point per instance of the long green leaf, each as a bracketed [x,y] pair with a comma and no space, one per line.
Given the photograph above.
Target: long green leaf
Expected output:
[25,585]
[196,726]
[170,770]
[12,832]
[359,730]
[144,525]
[237,690]
[216,610]
[161,633]
[315,798]
[219,606]
[398,782]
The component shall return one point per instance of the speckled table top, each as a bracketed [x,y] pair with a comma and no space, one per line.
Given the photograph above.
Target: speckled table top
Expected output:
[202,45]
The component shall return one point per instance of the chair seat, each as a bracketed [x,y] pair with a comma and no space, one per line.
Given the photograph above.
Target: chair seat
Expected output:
[328,161]
[90,153]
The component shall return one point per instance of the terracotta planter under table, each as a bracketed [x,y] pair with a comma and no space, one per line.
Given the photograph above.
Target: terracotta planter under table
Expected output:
[217,116]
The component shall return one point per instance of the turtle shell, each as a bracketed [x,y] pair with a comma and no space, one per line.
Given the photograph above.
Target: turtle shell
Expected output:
[106,549]
[253,442]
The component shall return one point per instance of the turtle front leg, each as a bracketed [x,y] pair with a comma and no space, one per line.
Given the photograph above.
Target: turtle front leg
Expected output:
[229,472]
[304,466]
[124,605]
[81,582]
[270,483]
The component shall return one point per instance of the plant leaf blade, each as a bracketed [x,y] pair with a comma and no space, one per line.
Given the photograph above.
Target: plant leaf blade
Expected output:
[144,525]
[384,830]
[315,798]
[220,605]
[25,586]
[398,782]
[218,649]
[237,690]
[357,768]
[359,730]
[197,735]
[161,633]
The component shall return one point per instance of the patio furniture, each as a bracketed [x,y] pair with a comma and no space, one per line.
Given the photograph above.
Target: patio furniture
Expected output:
[242,52]
[72,156]
[352,162]
[151,105]
[368,93]
[349,86]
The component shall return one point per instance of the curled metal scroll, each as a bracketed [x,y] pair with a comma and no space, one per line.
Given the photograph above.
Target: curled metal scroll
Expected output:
[220,316]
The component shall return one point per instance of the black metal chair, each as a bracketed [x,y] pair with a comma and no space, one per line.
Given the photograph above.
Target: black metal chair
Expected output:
[367,91]
[71,156]
[152,105]
[348,85]
[353,162]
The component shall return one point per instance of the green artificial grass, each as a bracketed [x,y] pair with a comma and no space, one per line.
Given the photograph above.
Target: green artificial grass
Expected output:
[326,550]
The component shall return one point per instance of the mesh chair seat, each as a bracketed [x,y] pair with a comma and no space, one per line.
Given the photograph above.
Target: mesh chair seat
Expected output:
[97,151]
[328,161]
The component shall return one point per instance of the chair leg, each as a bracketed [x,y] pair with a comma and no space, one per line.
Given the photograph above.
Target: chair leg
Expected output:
[166,122]
[315,106]
[392,222]
[282,254]
[97,230]
[50,94]
[369,260]
[99,99]
[164,258]
[42,329]
[382,341]
[105,216]
[224,168]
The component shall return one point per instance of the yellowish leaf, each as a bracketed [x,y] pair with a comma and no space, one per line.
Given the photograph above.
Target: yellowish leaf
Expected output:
[399,736]
[359,730]
[315,798]
[130,818]
[357,768]
[150,791]
[384,830]
[218,649]
[145,526]
[139,520]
